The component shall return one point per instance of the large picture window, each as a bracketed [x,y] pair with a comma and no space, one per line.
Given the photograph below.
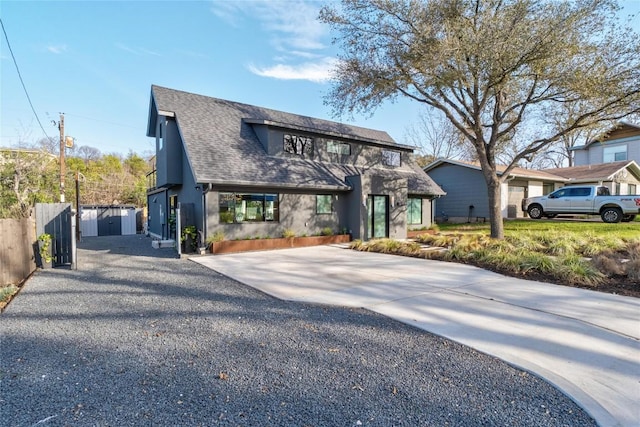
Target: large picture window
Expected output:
[414,211]
[323,204]
[248,207]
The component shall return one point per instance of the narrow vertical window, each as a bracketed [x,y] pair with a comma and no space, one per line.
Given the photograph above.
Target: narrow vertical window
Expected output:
[160,136]
[414,211]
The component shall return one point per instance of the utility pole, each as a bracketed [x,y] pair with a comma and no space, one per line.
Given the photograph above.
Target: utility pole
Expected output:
[62,165]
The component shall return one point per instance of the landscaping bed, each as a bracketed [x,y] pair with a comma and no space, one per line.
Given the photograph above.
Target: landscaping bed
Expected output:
[233,246]
[596,256]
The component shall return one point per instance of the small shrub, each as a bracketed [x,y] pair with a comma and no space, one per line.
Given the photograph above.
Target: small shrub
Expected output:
[525,241]
[357,245]
[536,261]
[632,268]
[7,292]
[609,263]
[218,236]
[288,233]
[327,231]
[632,248]
[590,244]
[562,245]
[45,247]
[575,270]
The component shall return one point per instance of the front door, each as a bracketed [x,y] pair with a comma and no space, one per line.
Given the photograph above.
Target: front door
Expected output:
[378,217]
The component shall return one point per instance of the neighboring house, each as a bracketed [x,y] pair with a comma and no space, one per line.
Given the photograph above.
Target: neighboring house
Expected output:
[620,177]
[466,188]
[247,171]
[620,143]
[467,199]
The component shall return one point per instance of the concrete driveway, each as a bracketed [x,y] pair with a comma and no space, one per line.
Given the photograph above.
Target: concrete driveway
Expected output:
[586,343]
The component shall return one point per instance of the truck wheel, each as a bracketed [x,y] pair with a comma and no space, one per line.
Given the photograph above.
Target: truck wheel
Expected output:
[611,215]
[535,211]
[628,218]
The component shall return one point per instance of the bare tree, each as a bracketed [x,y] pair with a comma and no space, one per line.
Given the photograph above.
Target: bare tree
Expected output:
[87,153]
[499,70]
[436,137]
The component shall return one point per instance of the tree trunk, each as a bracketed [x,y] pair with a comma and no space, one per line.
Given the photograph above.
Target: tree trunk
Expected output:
[495,213]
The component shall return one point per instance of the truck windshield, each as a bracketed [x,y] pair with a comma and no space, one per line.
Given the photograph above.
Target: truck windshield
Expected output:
[603,191]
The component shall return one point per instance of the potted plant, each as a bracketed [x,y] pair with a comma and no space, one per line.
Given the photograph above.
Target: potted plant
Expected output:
[45,250]
[189,239]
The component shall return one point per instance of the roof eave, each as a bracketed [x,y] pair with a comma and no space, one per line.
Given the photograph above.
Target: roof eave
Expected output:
[278,185]
[288,126]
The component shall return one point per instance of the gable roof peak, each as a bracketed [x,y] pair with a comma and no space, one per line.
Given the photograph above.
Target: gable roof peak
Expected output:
[169,100]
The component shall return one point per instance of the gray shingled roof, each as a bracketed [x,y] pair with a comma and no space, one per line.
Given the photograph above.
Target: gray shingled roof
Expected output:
[601,171]
[515,172]
[222,148]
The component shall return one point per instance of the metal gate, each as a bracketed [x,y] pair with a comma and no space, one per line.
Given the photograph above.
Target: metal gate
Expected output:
[56,220]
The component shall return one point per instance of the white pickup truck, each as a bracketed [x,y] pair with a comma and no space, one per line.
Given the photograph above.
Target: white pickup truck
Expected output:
[583,200]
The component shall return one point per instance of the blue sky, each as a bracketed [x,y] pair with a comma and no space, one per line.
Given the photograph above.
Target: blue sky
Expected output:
[96,61]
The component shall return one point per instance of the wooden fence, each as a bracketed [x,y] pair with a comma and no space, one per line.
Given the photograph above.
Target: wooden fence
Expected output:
[17,254]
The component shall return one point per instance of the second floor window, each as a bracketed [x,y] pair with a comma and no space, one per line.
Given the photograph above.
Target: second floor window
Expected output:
[338,147]
[390,158]
[614,154]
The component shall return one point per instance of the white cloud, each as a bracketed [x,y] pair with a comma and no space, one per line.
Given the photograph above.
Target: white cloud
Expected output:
[293,30]
[57,49]
[136,51]
[318,72]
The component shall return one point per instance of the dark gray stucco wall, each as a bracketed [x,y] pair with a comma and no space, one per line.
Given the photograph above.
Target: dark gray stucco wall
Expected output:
[297,212]
[169,155]
[355,205]
[156,218]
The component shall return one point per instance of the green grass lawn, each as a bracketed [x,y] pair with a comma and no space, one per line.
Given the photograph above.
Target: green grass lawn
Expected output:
[623,230]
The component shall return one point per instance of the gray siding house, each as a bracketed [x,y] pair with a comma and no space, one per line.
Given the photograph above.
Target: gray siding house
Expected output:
[620,143]
[247,171]
[467,199]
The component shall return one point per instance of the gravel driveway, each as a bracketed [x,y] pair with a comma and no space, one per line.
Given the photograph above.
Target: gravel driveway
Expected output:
[138,337]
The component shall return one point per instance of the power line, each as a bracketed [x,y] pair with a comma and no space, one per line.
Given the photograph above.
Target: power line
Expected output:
[22,81]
